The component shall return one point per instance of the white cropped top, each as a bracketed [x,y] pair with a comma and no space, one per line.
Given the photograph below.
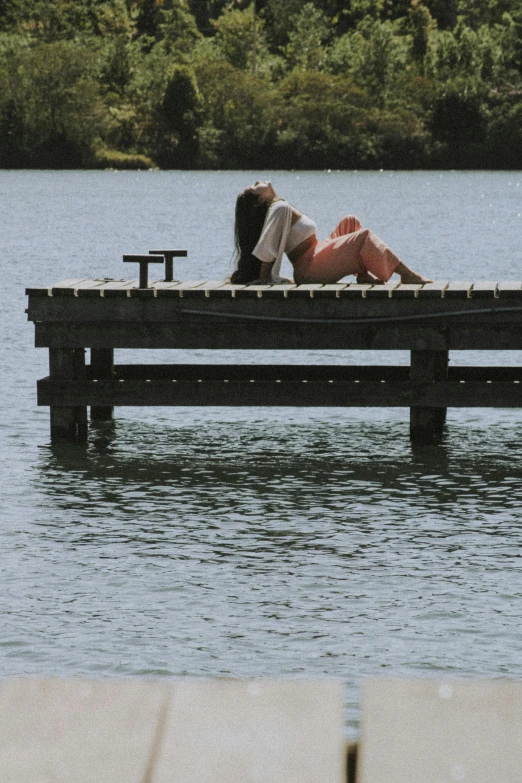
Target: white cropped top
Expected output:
[301,230]
[280,236]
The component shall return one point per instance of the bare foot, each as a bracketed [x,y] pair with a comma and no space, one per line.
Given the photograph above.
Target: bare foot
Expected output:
[407,275]
[367,277]
[414,277]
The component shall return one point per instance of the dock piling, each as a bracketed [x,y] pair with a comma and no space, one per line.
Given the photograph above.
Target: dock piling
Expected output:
[426,367]
[102,366]
[68,422]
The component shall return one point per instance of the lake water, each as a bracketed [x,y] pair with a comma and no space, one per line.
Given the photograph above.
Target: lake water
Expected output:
[255,542]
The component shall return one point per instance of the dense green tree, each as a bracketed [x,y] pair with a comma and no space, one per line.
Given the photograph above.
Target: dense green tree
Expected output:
[319,116]
[305,50]
[206,10]
[336,83]
[346,16]
[378,55]
[504,133]
[237,129]
[235,36]
[12,153]
[512,37]
[421,24]
[372,54]
[178,28]
[148,17]
[50,94]
[134,113]
[487,12]
[277,14]
[180,119]
[53,20]
[473,56]
[458,127]
[444,12]
[111,18]
[116,72]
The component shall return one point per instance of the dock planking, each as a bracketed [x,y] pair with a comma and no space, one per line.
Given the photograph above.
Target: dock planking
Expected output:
[406,291]
[384,291]
[481,289]
[428,320]
[433,290]
[328,289]
[259,730]
[510,289]
[458,289]
[268,731]
[182,731]
[78,730]
[280,392]
[445,730]
[484,289]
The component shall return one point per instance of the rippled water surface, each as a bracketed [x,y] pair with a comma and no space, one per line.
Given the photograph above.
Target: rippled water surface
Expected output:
[255,542]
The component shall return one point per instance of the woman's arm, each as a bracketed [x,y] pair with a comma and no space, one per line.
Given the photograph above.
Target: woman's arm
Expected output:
[270,245]
[264,274]
[267,247]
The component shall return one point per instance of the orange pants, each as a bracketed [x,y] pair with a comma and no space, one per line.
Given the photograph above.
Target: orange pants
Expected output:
[349,250]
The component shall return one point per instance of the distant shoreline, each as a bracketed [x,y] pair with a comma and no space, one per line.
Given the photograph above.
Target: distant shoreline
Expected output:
[271,84]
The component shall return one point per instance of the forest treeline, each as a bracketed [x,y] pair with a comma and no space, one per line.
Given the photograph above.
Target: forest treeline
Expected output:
[271,84]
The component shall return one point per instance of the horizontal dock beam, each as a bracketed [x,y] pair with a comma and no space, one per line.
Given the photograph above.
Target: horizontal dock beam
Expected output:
[223,335]
[194,315]
[274,385]
[318,372]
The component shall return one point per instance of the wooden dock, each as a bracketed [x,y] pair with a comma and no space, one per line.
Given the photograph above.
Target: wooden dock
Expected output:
[428,320]
[258,731]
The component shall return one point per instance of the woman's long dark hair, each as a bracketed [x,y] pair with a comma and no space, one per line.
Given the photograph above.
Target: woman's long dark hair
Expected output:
[250,217]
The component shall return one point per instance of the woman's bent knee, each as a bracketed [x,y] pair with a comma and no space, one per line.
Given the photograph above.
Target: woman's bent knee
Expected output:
[363,236]
[349,224]
[352,222]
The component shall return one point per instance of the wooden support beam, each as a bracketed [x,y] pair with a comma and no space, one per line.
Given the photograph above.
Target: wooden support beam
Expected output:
[63,423]
[264,372]
[68,422]
[123,301]
[427,367]
[310,372]
[80,410]
[352,752]
[102,366]
[237,389]
[210,334]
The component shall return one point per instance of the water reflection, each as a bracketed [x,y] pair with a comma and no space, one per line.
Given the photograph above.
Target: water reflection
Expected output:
[276,459]
[282,484]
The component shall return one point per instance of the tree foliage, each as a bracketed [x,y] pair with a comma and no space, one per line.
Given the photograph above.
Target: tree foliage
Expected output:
[206,83]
